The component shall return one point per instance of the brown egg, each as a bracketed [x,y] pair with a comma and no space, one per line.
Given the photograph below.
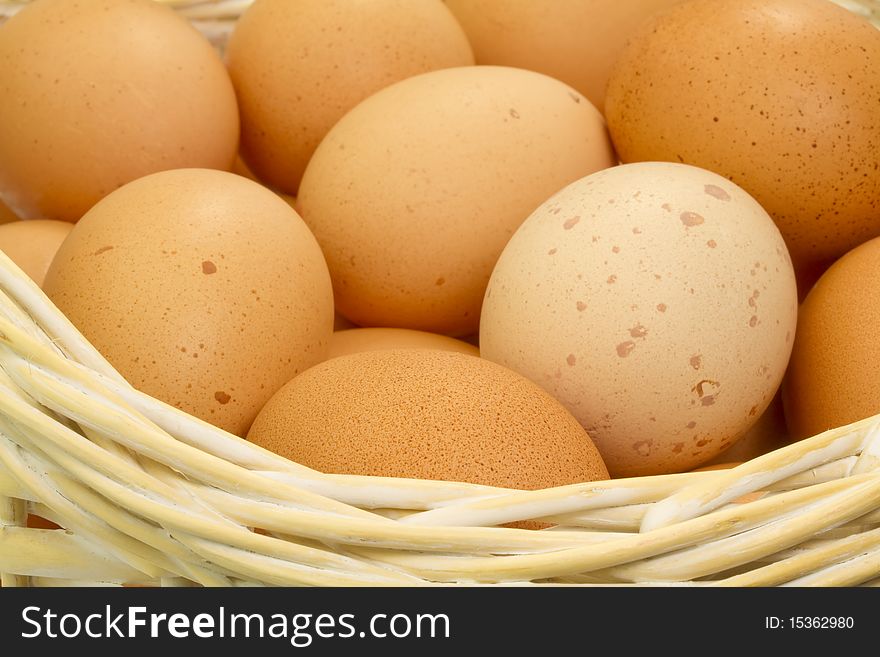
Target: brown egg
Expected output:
[575,41]
[32,244]
[779,96]
[414,193]
[833,379]
[657,302]
[356,340]
[105,91]
[201,287]
[299,65]
[427,414]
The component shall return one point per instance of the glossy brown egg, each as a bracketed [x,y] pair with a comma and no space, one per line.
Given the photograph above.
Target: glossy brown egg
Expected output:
[414,193]
[97,93]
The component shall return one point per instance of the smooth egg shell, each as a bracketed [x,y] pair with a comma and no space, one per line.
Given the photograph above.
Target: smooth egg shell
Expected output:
[413,194]
[102,92]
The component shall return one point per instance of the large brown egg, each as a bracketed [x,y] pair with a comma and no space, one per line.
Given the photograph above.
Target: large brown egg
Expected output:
[833,378]
[97,93]
[779,96]
[575,41]
[299,65]
[201,287]
[32,244]
[413,194]
[427,414]
[657,302]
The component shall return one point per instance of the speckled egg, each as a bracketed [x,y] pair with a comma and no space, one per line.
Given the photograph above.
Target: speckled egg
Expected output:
[414,193]
[299,65]
[833,378]
[657,302]
[779,96]
[32,244]
[97,93]
[203,288]
[427,414]
[356,340]
[575,41]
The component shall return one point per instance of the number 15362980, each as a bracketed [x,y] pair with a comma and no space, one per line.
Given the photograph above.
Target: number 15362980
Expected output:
[809,623]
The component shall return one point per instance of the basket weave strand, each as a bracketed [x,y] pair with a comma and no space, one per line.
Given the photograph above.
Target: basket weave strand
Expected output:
[148,495]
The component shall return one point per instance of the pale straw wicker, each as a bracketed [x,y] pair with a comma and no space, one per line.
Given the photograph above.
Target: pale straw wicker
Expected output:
[148,495]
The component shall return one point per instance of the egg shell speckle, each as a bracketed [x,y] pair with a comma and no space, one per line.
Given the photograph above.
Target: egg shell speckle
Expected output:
[780,96]
[413,194]
[427,414]
[201,287]
[657,302]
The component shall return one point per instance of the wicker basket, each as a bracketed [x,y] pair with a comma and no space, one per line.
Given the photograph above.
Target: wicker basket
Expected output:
[148,495]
